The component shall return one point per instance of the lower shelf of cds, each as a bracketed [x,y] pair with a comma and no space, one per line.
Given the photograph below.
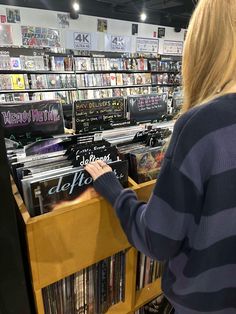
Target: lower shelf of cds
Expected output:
[74,248]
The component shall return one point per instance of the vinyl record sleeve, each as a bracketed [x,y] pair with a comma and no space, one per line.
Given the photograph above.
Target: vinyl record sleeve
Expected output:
[48,192]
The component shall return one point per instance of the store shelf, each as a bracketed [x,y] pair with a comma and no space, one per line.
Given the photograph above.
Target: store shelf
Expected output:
[167,85]
[35,72]
[14,91]
[125,71]
[128,86]
[148,293]
[112,71]
[117,86]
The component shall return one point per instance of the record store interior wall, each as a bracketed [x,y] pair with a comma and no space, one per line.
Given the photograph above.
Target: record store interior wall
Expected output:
[85,23]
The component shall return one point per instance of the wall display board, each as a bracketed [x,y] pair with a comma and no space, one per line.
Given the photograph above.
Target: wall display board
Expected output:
[36,118]
[172,47]
[117,43]
[147,107]
[40,36]
[81,41]
[147,45]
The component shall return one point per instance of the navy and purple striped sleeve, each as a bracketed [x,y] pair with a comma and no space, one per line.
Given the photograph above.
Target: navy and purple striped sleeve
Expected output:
[160,227]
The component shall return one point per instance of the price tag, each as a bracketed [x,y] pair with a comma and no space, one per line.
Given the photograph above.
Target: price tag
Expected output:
[97,137]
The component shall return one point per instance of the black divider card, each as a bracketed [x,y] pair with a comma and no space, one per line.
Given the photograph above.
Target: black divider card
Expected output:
[40,118]
[107,154]
[97,112]
[47,193]
[147,107]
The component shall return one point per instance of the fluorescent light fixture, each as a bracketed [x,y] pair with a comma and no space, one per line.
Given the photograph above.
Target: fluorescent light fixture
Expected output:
[75,6]
[143,17]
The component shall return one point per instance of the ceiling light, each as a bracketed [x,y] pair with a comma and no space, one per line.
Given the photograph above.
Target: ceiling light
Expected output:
[75,6]
[143,17]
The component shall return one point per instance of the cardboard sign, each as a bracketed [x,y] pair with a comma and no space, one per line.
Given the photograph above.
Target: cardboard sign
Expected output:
[41,118]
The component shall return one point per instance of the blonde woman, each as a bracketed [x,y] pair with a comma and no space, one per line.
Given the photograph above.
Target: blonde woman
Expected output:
[190,219]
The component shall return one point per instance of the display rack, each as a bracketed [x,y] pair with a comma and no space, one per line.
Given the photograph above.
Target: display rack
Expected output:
[16,52]
[15,91]
[66,241]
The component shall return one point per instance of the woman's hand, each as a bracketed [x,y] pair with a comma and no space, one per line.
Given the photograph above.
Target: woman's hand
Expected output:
[97,169]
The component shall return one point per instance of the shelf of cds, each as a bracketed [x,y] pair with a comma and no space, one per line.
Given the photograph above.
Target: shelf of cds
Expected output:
[30,74]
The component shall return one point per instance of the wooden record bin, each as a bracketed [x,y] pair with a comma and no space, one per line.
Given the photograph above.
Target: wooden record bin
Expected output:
[68,240]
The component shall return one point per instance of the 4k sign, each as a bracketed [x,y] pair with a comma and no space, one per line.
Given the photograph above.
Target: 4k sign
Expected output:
[82,41]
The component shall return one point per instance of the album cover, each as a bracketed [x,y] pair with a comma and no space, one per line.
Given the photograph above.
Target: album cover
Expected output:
[59,63]
[6,82]
[54,81]
[28,62]
[15,64]
[5,61]
[113,79]
[39,81]
[45,194]
[18,81]
[145,164]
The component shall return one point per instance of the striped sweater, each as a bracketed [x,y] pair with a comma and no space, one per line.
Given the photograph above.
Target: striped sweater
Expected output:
[190,219]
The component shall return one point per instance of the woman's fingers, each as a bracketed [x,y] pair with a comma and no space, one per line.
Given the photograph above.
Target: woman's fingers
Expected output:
[97,168]
[104,166]
[93,171]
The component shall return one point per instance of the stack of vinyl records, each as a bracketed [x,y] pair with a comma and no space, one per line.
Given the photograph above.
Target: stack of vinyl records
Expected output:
[145,154]
[50,173]
[92,290]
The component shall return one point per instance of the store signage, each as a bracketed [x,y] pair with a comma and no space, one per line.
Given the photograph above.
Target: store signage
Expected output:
[39,118]
[81,41]
[148,45]
[117,43]
[172,47]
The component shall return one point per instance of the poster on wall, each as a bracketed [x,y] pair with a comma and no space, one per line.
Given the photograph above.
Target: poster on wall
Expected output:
[6,35]
[172,47]
[13,15]
[63,20]
[3,18]
[161,32]
[81,41]
[102,25]
[117,43]
[134,29]
[148,45]
[40,36]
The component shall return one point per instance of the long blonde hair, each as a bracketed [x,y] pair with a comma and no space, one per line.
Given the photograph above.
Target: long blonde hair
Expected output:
[209,60]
